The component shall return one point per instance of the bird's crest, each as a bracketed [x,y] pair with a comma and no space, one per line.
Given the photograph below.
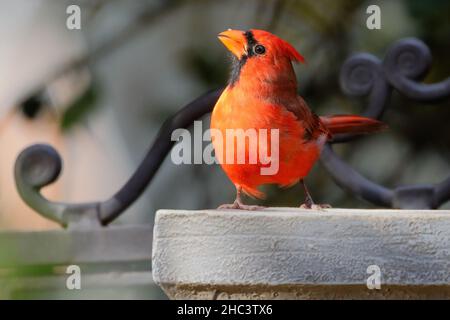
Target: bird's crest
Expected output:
[290,51]
[284,47]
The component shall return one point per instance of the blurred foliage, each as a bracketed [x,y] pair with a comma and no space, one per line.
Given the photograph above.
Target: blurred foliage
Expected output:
[433,27]
[80,108]
[204,67]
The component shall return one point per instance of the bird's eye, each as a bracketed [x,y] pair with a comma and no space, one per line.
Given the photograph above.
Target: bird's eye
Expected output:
[259,49]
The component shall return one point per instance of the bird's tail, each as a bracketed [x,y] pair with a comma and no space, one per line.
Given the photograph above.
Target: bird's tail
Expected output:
[352,124]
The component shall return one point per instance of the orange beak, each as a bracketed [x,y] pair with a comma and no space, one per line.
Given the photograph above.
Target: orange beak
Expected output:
[234,40]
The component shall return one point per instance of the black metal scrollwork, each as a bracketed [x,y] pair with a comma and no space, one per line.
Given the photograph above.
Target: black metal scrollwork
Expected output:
[407,62]
[40,165]
[362,75]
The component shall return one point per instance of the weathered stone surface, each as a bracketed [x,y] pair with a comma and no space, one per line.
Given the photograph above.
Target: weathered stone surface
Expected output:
[292,253]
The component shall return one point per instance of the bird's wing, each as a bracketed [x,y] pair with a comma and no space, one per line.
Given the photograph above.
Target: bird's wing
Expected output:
[311,121]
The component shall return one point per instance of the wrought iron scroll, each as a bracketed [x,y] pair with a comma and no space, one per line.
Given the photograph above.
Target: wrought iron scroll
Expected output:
[362,75]
[405,64]
[39,165]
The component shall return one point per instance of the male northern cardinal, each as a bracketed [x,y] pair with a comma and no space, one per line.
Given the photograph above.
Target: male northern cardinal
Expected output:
[262,94]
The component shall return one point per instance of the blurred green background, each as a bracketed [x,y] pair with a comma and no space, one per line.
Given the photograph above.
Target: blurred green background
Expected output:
[100,94]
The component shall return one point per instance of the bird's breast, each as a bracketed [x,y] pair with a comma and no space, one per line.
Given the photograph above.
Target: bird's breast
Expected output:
[237,109]
[278,133]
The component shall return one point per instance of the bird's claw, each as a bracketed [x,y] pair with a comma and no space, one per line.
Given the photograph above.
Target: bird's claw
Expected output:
[314,206]
[240,206]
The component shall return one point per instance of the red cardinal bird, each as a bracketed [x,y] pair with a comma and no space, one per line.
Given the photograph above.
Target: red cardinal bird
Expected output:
[262,94]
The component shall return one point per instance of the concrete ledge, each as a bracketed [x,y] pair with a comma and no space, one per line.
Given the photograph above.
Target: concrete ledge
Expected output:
[289,253]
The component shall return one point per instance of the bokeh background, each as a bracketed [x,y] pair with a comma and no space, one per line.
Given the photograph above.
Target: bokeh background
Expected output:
[100,94]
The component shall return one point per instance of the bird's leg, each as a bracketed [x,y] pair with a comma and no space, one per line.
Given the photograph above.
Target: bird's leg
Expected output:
[309,203]
[308,199]
[237,204]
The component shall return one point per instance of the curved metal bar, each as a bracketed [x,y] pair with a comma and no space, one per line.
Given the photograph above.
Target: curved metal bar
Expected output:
[406,60]
[348,178]
[40,165]
[36,167]
[112,208]
[362,75]
[409,60]
[442,191]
